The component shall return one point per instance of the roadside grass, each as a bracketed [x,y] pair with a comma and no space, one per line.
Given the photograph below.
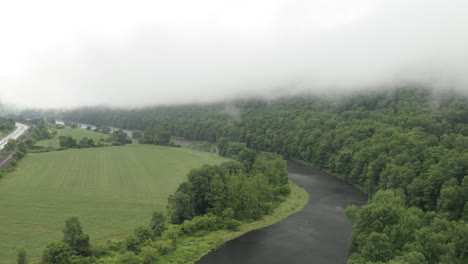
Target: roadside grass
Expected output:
[76,133]
[111,189]
[191,248]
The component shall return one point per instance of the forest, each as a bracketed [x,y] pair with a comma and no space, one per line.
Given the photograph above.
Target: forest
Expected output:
[406,147]
[6,124]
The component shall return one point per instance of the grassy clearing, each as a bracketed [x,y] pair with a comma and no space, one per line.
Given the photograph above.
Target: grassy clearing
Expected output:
[111,189]
[190,249]
[76,133]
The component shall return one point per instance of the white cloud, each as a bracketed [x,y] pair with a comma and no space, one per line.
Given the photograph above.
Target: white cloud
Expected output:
[64,53]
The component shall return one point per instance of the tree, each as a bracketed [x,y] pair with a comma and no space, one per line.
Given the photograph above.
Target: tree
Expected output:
[273,166]
[137,134]
[159,136]
[377,248]
[149,254]
[22,147]
[87,143]
[73,235]
[11,145]
[452,199]
[67,142]
[222,145]
[158,223]
[22,257]
[58,253]
[128,258]
[200,180]
[180,207]
[119,137]
[247,157]
[234,148]
[216,196]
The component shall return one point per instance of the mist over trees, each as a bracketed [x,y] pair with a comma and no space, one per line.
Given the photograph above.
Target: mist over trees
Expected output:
[407,148]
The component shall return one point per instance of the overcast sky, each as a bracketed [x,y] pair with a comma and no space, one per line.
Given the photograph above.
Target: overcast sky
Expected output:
[134,53]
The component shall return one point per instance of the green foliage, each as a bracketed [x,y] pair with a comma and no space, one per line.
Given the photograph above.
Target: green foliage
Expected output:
[215,188]
[86,143]
[41,132]
[11,145]
[58,253]
[6,125]
[67,142]
[137,134]
[128,258]
[149,254]
[73,235]
[273,166]
[158,223]
[387,231]
[181,206]
[206,222]
[120,138]
[158,136]
[22,257]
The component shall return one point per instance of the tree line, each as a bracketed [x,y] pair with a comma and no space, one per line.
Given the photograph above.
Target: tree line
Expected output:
[412,141]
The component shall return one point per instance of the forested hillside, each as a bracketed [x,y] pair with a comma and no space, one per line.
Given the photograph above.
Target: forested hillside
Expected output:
[407,148]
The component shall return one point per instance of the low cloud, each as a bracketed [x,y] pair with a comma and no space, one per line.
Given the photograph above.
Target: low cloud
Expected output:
[209,52]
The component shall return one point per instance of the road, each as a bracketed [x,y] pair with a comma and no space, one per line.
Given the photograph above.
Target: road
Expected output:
[20,129]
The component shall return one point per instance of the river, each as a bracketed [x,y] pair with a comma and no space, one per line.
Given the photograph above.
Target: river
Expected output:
[320,233]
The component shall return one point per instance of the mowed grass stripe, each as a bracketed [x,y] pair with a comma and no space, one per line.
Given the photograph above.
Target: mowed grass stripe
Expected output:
[111,189]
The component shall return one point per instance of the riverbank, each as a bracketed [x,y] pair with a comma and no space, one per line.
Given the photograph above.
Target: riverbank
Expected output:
[360,188]
[191,249]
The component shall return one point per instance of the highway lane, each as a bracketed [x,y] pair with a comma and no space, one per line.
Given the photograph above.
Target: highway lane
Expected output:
[20,129]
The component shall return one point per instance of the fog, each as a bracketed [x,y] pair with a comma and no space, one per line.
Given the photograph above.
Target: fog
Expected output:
[140,53]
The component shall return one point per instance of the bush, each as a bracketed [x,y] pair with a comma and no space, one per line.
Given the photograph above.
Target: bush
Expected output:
[208,222]
[132,243]
[149,254]
[107,249]
[231,224]
[164,246]
[128,258]
[283,189]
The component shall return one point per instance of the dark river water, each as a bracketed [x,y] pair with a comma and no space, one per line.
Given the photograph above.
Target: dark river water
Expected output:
[320,233]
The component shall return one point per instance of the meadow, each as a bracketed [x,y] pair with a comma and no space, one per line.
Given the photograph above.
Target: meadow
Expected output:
[76,133]
[111,189]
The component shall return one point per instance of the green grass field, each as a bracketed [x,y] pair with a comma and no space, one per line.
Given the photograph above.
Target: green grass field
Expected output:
[76,133]
[111,189]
